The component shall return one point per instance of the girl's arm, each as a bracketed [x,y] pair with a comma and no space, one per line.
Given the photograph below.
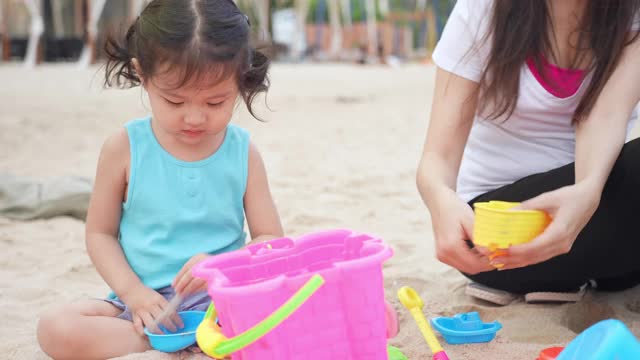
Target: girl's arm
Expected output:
[260,210]
[103,221]
[454,106]
[599,139]
[103,218]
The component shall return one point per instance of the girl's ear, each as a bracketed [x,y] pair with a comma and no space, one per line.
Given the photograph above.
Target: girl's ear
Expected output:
[136,67]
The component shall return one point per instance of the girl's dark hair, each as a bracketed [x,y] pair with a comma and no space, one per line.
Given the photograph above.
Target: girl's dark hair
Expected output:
[195,37]
[519,31]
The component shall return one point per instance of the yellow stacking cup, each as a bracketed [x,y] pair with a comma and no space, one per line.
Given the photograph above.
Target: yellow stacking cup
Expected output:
[497,227]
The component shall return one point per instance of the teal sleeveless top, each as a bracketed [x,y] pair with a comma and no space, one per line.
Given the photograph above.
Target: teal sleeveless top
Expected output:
[177,209]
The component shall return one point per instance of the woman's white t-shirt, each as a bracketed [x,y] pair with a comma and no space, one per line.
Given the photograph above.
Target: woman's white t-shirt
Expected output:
[539,135]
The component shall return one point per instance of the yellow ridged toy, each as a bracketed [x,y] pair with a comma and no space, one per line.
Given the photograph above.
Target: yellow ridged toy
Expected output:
[497,226]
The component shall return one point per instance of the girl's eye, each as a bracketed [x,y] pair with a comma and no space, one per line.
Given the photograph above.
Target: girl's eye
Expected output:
[215,104]
[173,102]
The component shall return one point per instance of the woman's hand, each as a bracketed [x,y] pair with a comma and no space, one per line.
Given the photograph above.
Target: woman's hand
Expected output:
[570,208]
[452,225]
[184,283]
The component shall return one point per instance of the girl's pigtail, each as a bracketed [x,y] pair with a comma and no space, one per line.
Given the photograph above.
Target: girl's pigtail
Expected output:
[119,69]
[255,80]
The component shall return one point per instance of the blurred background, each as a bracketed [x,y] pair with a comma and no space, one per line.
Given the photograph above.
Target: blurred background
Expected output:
[365,31]
[345,121]
[345,115]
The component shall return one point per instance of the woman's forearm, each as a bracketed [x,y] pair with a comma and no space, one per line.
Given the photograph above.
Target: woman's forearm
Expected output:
[435,174]
[597,148]
[453,109]
[600,136]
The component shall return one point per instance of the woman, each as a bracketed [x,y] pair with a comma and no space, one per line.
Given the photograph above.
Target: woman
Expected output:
[533,102]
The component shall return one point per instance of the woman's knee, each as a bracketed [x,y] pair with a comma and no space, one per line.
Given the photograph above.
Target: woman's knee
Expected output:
[621,189]
[629,157]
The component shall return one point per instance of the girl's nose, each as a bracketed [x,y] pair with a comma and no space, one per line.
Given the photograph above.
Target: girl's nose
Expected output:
[195,117]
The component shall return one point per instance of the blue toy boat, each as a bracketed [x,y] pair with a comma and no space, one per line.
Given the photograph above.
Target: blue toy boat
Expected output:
[465,328]
[608,339]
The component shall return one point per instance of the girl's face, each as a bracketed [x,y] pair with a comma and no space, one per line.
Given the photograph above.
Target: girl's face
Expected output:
[193,114]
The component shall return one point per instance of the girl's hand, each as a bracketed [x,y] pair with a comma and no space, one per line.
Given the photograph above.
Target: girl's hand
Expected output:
[185,283]
[146,305]
[452,225]
[570,208]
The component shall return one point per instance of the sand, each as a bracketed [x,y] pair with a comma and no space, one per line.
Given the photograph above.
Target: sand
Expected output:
[341,146]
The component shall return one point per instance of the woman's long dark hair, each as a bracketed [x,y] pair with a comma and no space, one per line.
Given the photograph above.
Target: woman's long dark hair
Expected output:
[521,29]
[196,37]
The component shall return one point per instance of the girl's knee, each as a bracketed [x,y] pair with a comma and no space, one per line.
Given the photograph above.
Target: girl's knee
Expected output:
[55,332]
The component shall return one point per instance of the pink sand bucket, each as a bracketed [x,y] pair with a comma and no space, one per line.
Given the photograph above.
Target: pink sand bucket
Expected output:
[346,317]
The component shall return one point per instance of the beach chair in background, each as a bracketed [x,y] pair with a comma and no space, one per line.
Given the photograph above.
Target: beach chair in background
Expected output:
[259,12]
[33,55]
[37,30]
[364,17]
[335,25]
[95,11]
[372,29]
[299,43]
[382,31]
[4,36]
[416,30]
[335,28]
[64,26]
[366,31]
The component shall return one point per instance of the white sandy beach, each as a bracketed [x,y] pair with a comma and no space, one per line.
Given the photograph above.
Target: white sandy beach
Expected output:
[341,147]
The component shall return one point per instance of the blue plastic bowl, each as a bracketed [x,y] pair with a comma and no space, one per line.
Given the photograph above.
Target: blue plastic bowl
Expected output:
[182,338]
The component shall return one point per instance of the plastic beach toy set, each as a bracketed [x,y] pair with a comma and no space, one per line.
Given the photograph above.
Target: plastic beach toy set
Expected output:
[321,296]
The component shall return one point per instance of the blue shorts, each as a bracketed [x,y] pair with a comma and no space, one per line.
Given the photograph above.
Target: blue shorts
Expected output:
[198,302]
